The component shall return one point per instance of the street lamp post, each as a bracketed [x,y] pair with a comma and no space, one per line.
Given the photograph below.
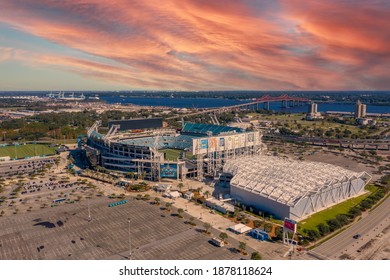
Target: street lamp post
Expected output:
[129,239]
[89,212]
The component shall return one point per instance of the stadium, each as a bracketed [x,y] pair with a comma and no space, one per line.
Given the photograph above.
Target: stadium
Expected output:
[289,188]
[149,151]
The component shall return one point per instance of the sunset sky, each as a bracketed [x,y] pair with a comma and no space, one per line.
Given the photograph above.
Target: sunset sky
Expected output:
[194,45]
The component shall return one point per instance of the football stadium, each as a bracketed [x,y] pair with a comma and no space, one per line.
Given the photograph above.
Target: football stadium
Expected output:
[291,188]
[149,151]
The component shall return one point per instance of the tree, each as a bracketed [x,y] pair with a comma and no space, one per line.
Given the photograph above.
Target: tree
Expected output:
[323,229]
[313,234]
[333,224]
[168,206]
[257,223]
[278,233]
[157,201]
[256,256]
[207,226]
[192,221]
[179,212]
[268,227]
[342,219]
[180,186]
[207,193]
[355,211]
[242,246]
[366,204]
[223,236]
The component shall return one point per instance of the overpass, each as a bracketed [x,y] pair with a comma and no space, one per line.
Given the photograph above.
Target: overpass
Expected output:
[286,102]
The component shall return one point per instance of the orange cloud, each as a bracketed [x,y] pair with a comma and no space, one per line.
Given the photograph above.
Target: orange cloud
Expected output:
[202,45]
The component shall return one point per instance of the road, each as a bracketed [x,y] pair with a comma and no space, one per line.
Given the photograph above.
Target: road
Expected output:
[368,227]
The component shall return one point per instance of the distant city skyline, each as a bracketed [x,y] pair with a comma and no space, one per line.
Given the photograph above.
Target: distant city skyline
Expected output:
[194,45]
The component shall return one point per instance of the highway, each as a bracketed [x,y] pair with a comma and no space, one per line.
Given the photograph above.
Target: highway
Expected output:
[368,144]
[368,227]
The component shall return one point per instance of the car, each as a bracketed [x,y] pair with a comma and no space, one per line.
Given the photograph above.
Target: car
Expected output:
[357,236]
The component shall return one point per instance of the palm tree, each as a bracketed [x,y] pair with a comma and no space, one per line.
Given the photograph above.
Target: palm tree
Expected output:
[223,236]
[179,212]
[207,226]
[132,174]
[192,221]
[207,193]
[256,256]
[180,186]
[242,247]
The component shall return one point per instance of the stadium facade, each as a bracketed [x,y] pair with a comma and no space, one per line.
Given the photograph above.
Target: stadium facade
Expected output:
[290,188]
[201,149]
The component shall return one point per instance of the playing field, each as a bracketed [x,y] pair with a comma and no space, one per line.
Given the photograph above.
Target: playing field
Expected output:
[172,154]
[28,150]
[332,212]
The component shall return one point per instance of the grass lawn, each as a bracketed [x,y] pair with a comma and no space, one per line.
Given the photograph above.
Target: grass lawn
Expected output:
[332,212]
[292,118]
[172,154]
[28,150]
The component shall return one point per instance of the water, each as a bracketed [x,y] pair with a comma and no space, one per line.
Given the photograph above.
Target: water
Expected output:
[219,102]
[173,102]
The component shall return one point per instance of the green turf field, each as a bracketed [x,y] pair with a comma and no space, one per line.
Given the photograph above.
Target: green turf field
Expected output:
[332,212]
[28,150]
[172,154]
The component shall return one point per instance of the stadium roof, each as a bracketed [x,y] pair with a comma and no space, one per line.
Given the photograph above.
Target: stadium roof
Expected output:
[201,128]
[284,180]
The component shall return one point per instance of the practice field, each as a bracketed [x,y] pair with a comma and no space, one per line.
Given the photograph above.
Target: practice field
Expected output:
[28,150]
[332,212]
[172,154]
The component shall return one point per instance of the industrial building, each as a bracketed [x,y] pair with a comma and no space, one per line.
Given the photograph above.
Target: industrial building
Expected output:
[194,151]
[289,188]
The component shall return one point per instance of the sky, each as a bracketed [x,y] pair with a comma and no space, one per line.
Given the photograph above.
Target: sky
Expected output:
[194,45]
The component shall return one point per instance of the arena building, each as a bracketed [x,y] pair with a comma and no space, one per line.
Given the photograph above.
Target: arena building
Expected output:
[194,151]
[289,188]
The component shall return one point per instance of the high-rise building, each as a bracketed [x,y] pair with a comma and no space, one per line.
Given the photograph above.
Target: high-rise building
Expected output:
[363,110]
[360,110]
[312,113]
[312,108]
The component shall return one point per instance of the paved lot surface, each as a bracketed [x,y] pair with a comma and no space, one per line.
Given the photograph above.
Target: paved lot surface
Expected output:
[368,227]
[65,233]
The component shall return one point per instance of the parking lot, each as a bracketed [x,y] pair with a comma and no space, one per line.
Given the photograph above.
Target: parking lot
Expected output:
[65,233]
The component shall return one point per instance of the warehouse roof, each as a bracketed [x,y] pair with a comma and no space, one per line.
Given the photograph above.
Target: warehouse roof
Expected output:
[285,180]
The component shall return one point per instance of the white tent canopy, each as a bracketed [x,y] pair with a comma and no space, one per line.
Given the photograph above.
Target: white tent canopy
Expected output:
[240,228]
